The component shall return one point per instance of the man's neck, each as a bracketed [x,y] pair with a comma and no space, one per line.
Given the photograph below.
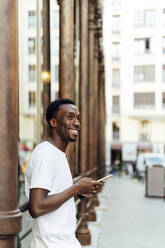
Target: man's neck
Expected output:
[54,141]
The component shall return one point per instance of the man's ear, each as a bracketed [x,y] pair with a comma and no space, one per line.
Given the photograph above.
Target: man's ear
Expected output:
[53,122]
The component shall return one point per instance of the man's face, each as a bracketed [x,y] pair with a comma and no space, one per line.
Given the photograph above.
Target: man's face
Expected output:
[68,122]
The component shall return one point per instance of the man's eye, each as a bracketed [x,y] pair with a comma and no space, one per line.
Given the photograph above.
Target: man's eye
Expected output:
[70,117]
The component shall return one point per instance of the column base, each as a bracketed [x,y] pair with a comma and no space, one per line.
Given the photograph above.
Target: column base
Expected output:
[95,201]
[92,214]
[84,236]
[10,225]
[8,242]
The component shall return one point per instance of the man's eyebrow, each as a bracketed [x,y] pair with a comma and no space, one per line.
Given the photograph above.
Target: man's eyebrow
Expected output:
[71,112]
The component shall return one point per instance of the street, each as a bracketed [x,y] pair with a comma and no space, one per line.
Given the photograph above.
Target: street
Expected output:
[126,218]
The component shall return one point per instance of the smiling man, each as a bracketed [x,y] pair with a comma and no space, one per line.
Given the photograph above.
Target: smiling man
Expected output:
[48,181]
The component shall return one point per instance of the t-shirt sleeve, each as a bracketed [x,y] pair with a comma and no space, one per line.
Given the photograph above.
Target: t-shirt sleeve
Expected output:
[42,169]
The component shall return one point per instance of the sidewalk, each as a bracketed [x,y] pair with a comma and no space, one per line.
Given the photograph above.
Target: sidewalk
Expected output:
[126,218]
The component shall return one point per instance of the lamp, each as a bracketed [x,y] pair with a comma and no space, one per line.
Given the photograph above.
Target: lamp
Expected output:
[45,75]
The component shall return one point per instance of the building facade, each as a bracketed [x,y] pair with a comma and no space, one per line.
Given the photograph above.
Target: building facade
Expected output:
[135,77]
[27,23]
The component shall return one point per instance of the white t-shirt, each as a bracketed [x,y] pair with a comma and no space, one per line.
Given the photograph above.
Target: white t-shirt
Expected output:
[48,169]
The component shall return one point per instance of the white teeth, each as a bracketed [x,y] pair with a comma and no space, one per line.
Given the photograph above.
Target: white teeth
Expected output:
[75,131]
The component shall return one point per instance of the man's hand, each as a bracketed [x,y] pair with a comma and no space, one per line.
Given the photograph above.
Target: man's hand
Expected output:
[87,187]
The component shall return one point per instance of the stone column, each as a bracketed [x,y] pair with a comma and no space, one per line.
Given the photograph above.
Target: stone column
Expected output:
[101,95]
[10,217]
[96,127]
[83,233]
[91,96]
[102,120]
[91,84]
[96,85]
[66,65]
[46,63]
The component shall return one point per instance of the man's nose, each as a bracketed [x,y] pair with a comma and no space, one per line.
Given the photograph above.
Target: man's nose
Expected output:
[76,122]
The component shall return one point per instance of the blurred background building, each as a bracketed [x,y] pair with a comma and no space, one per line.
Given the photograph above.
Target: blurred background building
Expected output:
[27,14]
[135,77]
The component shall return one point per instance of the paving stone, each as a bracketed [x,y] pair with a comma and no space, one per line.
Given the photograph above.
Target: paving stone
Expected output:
[128,219]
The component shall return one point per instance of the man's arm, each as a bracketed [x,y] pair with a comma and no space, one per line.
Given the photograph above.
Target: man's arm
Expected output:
[41,203]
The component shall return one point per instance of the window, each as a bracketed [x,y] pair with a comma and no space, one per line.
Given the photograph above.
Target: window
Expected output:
[116,24]
[32,99]
[144,73]
[31,46]
[116,78]
[55,19]
[163,73]
[163,45]
[32,73]
[56,73]
[142,100]
[32,19]
[115,130]
[115,51]
[163,99]
[116,104]
[145,130]
[142,46]
[145,18]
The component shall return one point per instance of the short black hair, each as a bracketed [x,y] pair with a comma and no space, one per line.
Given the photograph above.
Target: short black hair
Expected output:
[53,108]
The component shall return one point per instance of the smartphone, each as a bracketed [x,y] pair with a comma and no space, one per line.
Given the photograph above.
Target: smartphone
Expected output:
[104,178]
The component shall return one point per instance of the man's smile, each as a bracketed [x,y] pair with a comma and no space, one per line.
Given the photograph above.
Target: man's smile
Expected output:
[74,131]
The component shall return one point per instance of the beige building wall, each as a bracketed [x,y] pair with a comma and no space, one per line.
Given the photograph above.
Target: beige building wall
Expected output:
[27,110]
[134,121]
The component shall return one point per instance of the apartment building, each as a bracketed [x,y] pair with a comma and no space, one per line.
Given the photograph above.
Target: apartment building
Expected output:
[27,21]
[135,77]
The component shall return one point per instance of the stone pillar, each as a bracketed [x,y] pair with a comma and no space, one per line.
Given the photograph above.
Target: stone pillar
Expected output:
[96,126]
[83,233]
[102,120]
[91,96]
[96,116]
[66,65]
[96,100]
[46,64]
[91,84]
[83,87]
[101,94]
[10,216]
